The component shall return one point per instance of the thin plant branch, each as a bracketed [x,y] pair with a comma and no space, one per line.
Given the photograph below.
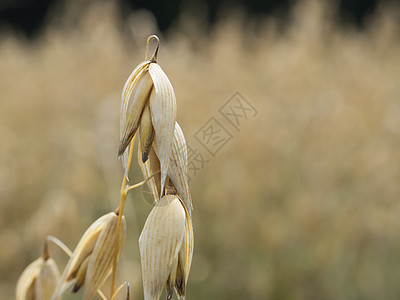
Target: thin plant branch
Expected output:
[60,244]
[131,187]
[120,287]
[102,296]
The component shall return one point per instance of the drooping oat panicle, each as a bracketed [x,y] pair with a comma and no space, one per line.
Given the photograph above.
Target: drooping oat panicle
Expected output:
[39,279]
[90,263]
[148,84]
[166,245]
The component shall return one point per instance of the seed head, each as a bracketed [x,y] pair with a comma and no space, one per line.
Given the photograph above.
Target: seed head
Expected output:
[177,171]
[166,248]
[148,86]
[90,263]
[39,279]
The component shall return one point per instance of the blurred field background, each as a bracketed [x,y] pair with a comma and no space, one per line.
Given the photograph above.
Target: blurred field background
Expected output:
[303,203]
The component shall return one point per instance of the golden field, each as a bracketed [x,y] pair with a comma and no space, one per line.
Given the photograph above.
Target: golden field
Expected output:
[302,202]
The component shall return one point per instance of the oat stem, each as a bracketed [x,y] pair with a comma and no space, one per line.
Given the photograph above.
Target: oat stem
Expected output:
[102,296]
[120,214]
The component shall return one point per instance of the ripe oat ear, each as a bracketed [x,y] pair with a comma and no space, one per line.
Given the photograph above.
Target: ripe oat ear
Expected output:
[39,279]
[148,84]
[166,242]
[177,171]
[160,243]
[91,260]
[163,115]
[100,264]
[137,96]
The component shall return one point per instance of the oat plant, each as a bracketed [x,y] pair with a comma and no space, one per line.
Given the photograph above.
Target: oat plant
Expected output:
[166,242]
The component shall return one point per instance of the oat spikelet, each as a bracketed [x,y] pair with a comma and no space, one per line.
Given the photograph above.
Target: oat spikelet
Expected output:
[90,263]
[134,98]
[148,84]
[166,244]
[177,171]
[39,279]
[163,115]
[184,259]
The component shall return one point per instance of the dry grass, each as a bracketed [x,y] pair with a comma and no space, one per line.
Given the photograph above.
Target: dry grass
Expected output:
[302,204]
